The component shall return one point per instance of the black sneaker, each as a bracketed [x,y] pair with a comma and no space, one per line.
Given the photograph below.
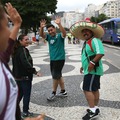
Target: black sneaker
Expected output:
[90,115]
[97,111]
[62,94]
[27,114]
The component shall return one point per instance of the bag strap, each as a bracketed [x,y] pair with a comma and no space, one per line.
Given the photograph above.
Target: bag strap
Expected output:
[88,59]
[7,94]
[89,42]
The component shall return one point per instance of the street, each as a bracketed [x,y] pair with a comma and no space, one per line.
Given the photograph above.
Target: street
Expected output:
[112,54]
[74,106]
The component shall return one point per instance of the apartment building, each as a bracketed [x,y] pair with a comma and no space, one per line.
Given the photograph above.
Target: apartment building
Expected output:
[110,8]
[90,11]
[69,18]
[118,12]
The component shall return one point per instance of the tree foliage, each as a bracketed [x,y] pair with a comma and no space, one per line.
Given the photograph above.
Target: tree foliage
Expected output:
[32,11]
[100,18]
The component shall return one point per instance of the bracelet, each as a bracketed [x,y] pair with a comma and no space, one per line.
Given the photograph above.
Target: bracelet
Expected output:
[93,63]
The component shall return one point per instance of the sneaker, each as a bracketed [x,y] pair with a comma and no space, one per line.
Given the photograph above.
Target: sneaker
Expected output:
[62,94]
[26,114]
[97,111]
[52,97]
[90,115]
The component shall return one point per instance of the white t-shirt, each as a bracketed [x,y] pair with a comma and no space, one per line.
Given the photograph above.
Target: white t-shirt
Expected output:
[11,108]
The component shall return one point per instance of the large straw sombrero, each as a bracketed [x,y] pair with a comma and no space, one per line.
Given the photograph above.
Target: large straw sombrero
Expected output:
[76,29]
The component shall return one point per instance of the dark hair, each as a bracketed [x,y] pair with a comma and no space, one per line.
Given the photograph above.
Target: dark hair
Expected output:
[2,13]
[21,37]
[17,43]
[50,25]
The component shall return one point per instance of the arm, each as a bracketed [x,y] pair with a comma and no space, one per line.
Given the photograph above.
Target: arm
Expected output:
[58,22]
[98,57]
[16,20]
[94,61]
[25,62]
[42,25]
[5,56]
[99,50]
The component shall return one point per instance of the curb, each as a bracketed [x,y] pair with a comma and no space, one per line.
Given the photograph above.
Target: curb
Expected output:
[110,46]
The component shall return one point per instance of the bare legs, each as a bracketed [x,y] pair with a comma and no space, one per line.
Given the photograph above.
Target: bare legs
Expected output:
[92,98]
[59,82]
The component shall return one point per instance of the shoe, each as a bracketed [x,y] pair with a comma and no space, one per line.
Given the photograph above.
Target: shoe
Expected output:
[26,114]
[97,111]
[62,94]
[90,115]
[52,97]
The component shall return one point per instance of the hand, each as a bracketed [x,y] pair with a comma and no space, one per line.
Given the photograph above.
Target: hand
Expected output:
[58,20]
[90,67]
[39,74]
[13,14]
[40,117]
[81,70]
[43,23]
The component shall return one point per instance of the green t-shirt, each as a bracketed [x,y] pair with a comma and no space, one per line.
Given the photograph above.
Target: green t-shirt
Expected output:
[98,48]
[56,47]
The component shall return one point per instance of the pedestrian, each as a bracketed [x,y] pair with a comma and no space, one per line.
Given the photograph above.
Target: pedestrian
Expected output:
[23,71]
[57,55]
[37,38]
[8,86]
[69,40]
[92,52]
[74,40]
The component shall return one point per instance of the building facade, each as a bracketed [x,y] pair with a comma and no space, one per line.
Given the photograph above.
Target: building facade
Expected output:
[90,11]
[110,9]
[69,18]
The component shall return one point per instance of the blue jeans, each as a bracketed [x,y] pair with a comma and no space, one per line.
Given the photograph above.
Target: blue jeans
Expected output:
[25,87]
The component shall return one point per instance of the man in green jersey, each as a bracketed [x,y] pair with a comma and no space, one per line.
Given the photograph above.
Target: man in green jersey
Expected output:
[92,52]
[57,54]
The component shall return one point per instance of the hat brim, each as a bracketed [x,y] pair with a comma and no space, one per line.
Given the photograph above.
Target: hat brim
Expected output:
[76,29]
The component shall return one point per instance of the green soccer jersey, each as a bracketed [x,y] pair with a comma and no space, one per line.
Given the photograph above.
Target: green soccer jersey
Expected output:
[98,48]
[56,47]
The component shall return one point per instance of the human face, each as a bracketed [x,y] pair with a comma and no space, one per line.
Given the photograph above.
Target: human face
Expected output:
[52,31]
[87,34]
[25,41]
[4,33]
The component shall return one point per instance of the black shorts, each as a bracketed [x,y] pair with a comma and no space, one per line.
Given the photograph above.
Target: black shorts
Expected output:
[91,82]
[56,68]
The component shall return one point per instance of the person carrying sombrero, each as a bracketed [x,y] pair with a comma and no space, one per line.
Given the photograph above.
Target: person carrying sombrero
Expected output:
[91,55]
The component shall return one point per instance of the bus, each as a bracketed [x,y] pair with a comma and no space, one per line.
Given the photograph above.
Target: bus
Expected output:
[112,30]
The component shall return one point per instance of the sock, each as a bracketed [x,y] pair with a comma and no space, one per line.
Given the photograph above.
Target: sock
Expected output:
[62,91]
[96,107]
[54,92]
[93,109]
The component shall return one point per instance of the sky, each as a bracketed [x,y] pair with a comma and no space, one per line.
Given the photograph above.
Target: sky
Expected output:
[72,5]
